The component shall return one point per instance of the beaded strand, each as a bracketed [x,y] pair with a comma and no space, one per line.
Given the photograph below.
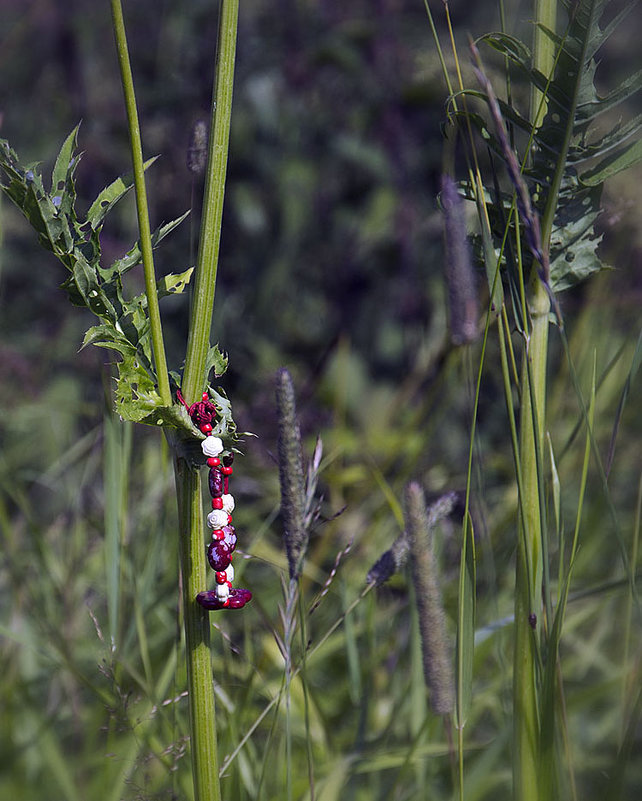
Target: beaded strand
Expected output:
[223,544]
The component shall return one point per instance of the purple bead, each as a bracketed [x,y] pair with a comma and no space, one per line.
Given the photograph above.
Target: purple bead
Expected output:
[219,555]
[237,599]
[216,483]
[229,537]
[209,600]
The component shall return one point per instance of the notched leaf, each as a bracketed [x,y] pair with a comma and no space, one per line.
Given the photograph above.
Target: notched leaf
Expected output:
[174,283]
[110,195]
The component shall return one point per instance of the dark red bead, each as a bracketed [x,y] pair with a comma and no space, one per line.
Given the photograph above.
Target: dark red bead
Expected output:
[216,483]
[219,555]
[217,503]
[236,600]
[228,459]
[238,597]
[221,577]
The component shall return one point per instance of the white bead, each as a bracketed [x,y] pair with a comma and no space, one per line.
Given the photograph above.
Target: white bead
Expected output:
[212,446]
[222,592]
[228,503]
[217,518]
[229,572]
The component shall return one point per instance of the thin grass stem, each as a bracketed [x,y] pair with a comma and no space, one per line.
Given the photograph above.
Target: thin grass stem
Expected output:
[142,208]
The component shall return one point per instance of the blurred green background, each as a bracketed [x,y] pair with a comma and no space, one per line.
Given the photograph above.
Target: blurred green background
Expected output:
[332,265]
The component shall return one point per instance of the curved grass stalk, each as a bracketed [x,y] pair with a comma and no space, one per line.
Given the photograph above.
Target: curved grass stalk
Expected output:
[552,675]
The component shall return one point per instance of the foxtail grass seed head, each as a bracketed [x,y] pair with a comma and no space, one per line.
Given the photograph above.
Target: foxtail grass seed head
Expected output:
[460,276]
[390,562]
[293,496]
[437,662]
[197,149]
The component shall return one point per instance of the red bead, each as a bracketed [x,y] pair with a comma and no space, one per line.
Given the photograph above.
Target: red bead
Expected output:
[217,503]
[227,470]
[213,461]
[229,520]
[206,428]
[238,598]
[221,577]
[218,534]
[205,396]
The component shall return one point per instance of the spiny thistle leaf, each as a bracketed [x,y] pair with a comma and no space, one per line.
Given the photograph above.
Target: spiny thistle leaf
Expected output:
[569,166]
[566,128]
[134,257]
[110,195]
[124,326]
[216,361]
[614,163]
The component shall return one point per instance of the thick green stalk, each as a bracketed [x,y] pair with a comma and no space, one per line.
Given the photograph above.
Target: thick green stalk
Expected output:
[199,667]
[529,553]
[205,283]
[528,589]
[543,53]
[192,552]
[142,210]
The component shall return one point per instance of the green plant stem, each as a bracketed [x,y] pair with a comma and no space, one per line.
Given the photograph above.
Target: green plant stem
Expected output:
[529,554]
[199,669]
[142,208]
[205,282]
[529,568]
[543,53]
[192,552]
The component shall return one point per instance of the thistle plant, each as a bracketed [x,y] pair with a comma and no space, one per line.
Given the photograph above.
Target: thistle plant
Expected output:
[537,237]
[196,417]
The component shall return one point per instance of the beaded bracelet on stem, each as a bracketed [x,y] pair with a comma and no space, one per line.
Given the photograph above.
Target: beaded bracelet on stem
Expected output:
[221,549]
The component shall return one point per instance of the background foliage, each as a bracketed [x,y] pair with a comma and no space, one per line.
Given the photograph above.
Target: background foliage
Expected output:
[331,264]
